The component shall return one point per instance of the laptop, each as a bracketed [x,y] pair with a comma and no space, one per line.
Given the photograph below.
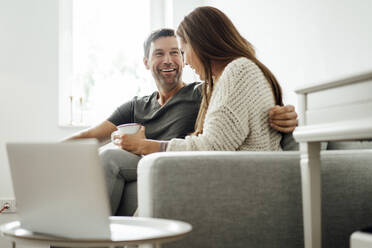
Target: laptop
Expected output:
[60,188]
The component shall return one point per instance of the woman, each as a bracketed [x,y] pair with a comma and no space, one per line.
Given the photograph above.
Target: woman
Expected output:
[237,94]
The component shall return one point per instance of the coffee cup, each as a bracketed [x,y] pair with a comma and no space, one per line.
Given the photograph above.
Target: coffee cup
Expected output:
[129,128]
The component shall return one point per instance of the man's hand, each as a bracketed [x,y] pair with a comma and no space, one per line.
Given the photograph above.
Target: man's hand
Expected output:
[283,118]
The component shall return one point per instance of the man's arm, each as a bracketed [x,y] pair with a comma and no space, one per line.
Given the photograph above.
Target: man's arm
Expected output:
[283,118]
[101,132]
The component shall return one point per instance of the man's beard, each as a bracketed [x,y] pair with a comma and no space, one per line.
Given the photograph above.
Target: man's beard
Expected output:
[165,81]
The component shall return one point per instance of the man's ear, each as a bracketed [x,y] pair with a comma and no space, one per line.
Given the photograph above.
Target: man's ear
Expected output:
[146,63]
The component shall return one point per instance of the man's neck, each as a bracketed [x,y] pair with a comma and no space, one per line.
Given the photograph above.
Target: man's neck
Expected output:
[165,95]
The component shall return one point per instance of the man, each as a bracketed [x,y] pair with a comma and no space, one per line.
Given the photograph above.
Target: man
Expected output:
[168,113]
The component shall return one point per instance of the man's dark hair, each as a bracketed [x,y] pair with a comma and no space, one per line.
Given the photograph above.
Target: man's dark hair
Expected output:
[164,32]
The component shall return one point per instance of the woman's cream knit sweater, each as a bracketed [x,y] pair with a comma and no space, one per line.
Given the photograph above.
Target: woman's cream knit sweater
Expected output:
[237,116]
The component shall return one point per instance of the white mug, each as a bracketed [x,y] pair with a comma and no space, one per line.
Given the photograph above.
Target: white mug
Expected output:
[129,128]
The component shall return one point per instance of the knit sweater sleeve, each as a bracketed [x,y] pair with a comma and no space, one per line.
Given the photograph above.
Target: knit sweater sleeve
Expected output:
[227,121]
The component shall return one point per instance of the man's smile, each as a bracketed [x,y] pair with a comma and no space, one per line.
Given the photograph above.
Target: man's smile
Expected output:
[167,70]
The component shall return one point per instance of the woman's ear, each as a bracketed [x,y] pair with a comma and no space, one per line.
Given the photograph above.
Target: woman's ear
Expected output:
[183,60]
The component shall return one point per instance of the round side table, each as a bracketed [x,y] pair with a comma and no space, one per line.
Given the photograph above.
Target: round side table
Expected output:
[124,231]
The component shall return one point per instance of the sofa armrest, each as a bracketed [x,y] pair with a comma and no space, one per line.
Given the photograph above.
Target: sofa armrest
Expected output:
[253,199]
[232,199]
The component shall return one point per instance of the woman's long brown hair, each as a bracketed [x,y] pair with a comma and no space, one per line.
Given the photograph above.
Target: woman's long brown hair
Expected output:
[214,38]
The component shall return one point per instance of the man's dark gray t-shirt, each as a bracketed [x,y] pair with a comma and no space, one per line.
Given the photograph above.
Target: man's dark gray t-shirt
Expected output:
[175,119]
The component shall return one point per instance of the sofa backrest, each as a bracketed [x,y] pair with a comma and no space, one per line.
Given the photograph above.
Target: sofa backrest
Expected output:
[288,143]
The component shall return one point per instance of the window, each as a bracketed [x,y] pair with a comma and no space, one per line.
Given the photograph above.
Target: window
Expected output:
[101,57]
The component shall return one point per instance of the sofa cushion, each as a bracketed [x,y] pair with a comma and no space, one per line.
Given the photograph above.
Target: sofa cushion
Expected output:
[349,145]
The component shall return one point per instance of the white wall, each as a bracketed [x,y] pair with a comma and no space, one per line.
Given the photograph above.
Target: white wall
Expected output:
[28,77]
[306,41]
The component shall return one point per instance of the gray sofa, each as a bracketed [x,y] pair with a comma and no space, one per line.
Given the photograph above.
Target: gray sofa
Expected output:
[253,199]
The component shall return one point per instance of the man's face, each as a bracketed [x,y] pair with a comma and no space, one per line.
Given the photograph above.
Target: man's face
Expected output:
[165,62]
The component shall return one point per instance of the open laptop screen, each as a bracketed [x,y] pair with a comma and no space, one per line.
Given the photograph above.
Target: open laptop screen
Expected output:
[60,188]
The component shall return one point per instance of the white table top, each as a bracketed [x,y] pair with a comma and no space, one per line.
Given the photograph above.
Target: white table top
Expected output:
[124,231]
